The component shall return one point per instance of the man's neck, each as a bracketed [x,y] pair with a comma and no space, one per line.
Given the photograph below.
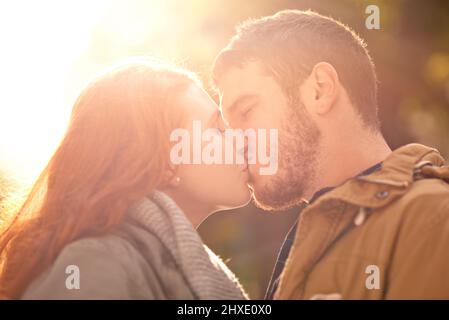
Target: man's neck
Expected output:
[349,159]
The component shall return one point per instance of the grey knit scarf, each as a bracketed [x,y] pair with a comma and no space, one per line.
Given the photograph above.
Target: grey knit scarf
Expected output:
[205,272]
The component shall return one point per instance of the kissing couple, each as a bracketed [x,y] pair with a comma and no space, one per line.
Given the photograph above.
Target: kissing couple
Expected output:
[114,213]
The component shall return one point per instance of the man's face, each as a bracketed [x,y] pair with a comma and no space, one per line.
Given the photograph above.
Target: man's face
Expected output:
[250,98]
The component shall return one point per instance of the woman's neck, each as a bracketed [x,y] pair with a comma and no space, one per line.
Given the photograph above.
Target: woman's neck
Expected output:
[194,211]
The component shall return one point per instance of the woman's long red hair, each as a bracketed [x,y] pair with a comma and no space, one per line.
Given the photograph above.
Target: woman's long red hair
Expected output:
[115,151]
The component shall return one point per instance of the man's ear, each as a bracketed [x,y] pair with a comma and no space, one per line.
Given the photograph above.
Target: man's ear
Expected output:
[323,88]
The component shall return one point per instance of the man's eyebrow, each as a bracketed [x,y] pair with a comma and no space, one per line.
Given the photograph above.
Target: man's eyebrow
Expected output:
[240,100]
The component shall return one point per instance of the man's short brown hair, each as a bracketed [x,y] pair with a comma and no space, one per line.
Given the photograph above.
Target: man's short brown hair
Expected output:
[290,42]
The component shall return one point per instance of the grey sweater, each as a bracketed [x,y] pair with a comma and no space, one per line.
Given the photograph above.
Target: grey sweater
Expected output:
[156,253]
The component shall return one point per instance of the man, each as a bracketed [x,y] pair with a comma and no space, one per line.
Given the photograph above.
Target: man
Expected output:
[376,222]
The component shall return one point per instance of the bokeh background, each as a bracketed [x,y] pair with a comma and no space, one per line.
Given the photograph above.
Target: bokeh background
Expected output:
[51,49]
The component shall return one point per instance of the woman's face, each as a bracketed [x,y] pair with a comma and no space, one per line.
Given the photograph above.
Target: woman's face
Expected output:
[218,185]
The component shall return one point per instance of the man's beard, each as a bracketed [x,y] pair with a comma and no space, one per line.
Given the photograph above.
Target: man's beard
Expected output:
[299,141]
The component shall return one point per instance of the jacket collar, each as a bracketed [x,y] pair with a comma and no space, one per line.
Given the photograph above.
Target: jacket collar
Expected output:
[390,182]
[206,274]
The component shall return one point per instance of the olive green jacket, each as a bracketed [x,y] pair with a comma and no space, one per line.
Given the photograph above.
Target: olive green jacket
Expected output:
[381,236]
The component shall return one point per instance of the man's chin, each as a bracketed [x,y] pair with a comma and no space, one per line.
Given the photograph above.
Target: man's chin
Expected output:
[268,201]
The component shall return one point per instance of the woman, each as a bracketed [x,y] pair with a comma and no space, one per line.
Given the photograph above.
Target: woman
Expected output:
[111,216]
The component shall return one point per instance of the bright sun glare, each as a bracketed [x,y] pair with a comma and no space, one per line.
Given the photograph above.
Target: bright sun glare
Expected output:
[43,41]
